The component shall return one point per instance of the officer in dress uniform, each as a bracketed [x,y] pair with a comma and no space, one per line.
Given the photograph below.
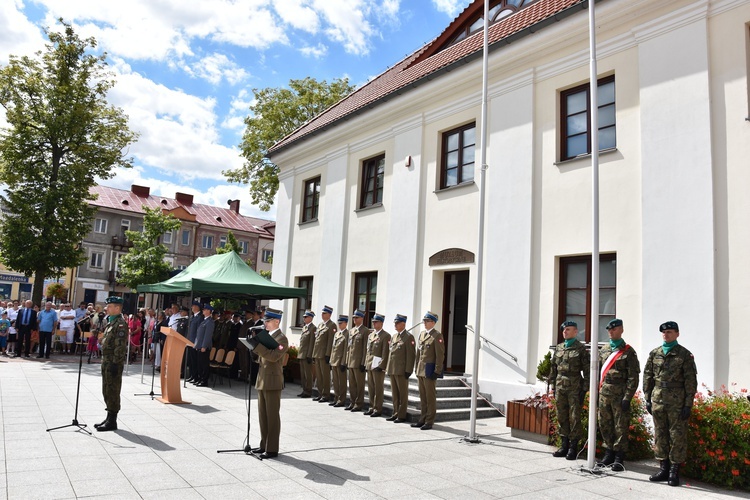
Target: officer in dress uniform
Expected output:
[306,342]
[322,354]
[569,379]
[618,382]
[355,360]
[669,385]
[400,366]
[376,363]
[269,385]
[429,369]
[338,362]
[114,353]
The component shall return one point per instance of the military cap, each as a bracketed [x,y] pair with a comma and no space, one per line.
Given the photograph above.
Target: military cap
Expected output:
[378,317]
[209,307]
[614,323]
[114,300]
[568,323]
[358,314]
[308,312]
[196,303]
[328,309]
[272,314]
[400,318]
[343,318]
[669,325]
[430,316]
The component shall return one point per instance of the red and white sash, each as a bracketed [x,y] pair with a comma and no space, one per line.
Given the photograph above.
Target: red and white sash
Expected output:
[610,362]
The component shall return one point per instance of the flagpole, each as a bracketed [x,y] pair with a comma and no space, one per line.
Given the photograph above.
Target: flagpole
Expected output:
[472,437]
[594,328]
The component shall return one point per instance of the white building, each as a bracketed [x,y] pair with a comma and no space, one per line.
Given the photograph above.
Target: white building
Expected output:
[378,200]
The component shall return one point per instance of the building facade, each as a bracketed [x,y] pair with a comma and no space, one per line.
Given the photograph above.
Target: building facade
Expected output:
[379,196]
[203,229]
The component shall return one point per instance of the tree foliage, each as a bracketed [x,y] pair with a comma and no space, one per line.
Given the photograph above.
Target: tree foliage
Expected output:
[62,135]
[144,263]
[232,245]
[57,291]
[274,114]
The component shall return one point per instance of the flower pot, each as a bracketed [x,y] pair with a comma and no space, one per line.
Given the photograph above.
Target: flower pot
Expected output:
[527,421]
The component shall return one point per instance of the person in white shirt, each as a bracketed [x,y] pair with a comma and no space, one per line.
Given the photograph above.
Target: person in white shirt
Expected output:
[67,318]
[12,332]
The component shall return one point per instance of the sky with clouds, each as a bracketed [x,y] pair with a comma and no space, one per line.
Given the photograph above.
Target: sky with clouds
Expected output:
[185,70]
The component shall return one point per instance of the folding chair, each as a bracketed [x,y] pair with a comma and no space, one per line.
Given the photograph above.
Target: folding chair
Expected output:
[225,366]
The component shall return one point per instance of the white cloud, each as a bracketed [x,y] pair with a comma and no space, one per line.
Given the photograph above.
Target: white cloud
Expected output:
[216,67]
[347,23]
[450,7]
[18,36]
[390,8]
[239,108]
[216,195]
[178,131]
[298,15]
[317,52]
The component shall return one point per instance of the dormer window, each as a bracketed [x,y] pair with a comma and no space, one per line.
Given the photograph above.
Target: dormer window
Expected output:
[498,11]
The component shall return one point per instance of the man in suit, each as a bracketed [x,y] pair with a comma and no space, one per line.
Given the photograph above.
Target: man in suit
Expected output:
[269,385]
[376,363]
[25,322]
[429,369]
[400,367]
[306,342]
[203,343]
[355,360]
[322,354]
[338,362]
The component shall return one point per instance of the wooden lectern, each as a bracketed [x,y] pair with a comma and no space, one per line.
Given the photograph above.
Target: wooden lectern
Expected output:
[171,363]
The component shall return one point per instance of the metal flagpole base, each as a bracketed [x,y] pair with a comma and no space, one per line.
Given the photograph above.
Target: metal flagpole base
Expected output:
[469,439]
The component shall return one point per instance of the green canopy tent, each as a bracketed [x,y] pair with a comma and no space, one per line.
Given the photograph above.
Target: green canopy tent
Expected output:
[223,276]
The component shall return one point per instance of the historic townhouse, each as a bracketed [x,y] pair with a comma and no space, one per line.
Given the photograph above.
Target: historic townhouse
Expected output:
[378,201]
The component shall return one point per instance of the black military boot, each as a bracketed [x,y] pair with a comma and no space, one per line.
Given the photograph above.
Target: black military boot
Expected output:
[572,451]
[609,458]
[674,475]
[617,465]
[110,424]
[663,473]
[96,426]
[563,450]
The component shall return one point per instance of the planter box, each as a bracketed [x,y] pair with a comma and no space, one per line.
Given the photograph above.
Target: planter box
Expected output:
[527,422]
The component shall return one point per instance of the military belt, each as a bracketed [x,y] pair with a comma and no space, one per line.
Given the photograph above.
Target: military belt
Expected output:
[671,385]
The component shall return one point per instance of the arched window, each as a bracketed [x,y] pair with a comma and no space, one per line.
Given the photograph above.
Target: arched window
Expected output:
[499,10]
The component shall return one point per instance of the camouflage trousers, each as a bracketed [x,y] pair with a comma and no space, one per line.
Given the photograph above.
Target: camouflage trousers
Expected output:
[670,433]
[569,413]
[613,422]
[111,385]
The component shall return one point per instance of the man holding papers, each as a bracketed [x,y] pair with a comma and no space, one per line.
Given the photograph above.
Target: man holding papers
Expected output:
[376,363]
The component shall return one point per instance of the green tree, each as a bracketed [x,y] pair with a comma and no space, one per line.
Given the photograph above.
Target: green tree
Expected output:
[274,114]
[61,136]
[144,263]
[232,245]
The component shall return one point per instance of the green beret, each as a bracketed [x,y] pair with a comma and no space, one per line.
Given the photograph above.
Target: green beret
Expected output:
[114,300]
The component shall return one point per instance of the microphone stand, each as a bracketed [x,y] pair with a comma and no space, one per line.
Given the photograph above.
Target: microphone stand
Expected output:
[247,449]
[75,422]
[153,375]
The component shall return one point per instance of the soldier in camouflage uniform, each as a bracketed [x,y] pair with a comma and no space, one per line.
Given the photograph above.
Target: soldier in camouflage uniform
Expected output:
[620,372]
[569,379]
[669,386]
[114,353]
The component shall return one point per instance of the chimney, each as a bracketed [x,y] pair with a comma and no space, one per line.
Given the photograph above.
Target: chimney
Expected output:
[185,199]
[234,206]
[141,191]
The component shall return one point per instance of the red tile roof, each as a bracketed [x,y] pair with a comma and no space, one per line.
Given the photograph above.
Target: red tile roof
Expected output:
[208,215]
[422,65]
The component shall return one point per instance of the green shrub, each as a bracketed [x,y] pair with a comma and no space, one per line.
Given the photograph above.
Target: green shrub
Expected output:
[719,439]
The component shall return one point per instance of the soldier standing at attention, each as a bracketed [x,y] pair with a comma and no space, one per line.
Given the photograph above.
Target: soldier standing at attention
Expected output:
[429,369]
[355,360]
[322,354]
[269,385]
[400,366]
[338,362]
[114,352]
[617,384]
[669,386]
[306,341]
[376,363]
[569,378]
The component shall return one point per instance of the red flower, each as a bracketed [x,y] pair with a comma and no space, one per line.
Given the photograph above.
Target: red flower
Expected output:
[733,454]
[735,472]
[722,458]
[747,461]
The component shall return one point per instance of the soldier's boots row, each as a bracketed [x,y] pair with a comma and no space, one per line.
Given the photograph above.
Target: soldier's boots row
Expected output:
[563,449]
[609,458]
[663,473]
[568,449]
[109,424]
[613,458]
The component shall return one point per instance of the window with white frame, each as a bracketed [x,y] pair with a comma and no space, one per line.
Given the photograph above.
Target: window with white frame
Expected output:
[267,255]
[207,241]
[97,260]
[186,237]
[243,247]
[100,226]
[167,238]
[222,241]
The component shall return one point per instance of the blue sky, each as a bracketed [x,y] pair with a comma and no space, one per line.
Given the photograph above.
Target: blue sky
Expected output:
[185,70]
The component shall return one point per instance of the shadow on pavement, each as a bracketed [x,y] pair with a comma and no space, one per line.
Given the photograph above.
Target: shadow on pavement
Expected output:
[322,473]
[149,442]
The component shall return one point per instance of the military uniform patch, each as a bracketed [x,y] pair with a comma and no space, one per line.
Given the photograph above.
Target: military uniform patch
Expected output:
[281,347]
